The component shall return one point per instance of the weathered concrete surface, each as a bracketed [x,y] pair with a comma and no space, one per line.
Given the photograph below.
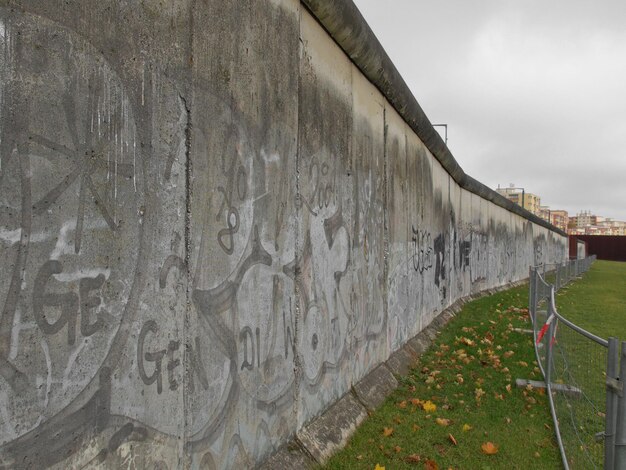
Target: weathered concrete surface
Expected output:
[289,456]
[375,386]
[212,226]
[330,432]
[401,361]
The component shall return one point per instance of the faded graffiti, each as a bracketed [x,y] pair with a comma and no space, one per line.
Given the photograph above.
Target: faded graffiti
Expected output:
[194,306]
[71,190]
[422,250]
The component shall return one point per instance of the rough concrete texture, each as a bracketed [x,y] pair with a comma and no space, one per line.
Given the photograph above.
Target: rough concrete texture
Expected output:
[212,226]
[289,456]
[375,386]
[330,432]
[401,361]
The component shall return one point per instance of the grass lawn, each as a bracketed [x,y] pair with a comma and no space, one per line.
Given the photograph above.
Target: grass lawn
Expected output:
[597,302]
[459,408]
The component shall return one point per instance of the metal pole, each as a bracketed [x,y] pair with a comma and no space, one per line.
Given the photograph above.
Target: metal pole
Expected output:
[535,294]
[548,370]
[445,126]
[612,363]
[620,435]
[530,294]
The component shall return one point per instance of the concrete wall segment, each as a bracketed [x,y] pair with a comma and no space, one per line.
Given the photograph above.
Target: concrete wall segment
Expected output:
[213,226]
[346,25]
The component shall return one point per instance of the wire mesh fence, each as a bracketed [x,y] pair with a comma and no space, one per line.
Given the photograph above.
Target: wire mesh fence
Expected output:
[581,376]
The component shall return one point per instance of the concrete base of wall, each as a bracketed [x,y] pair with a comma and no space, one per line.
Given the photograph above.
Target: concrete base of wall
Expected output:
[330,432]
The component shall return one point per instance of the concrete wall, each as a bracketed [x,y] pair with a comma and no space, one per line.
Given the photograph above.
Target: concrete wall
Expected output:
[211,226]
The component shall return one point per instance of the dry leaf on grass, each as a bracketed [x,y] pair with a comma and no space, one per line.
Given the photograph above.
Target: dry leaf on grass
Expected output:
[431,465]
[387,432]
[413,458]
[452,439]
[442,421]
[489,448]
[429,406]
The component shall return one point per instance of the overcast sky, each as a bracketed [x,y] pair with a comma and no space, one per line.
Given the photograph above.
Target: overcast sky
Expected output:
[533,91]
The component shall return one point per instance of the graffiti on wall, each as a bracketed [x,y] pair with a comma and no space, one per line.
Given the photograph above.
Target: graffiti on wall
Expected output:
[262,304]
[71,200]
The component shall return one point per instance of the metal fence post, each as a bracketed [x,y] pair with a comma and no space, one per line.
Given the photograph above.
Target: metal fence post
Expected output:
[549,343]
[612,368]
[620,425]
[530,294]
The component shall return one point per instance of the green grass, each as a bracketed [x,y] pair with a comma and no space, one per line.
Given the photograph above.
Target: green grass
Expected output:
[469,374]
[597,302]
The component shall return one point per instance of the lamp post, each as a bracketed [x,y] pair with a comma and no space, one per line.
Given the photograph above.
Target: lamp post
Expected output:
[445,126]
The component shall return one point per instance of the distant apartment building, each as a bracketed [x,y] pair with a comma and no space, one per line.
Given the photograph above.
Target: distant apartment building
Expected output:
[583,219]
[585,223]
[530,202]
[557,217]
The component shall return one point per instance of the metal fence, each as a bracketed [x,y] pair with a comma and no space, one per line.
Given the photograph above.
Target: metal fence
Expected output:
[581,373]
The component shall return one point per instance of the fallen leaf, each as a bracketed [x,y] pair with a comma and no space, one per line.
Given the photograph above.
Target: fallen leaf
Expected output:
[479,392]
[415,427]
[523,363]
[379,467]
[508,354]
[397,449]
[387,432]
[402,404]
[466,427]
[508,388]
[452,439]
[359,457]
[414,458]
[415,401]
[442,421]
[489,448]
[431,465]
[429,406]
